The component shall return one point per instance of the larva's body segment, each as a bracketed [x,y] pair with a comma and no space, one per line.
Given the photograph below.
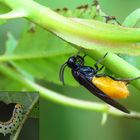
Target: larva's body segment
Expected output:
[10,126]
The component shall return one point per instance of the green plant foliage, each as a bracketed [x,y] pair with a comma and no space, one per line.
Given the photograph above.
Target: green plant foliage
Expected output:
[11,44]
[4,8]
[89,34]
[44,56]
[38,54]
[132,19]
[6,84]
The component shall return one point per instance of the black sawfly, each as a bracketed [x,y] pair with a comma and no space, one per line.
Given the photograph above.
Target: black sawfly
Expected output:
[103,86]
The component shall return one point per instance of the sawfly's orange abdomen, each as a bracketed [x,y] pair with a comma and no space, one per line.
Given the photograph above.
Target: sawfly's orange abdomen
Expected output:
[114,89]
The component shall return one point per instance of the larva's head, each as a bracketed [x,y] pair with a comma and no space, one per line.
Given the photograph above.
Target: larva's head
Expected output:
[18,106]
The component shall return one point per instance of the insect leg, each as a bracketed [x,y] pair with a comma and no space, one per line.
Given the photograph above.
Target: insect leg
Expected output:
[79,51]
[108,18]
[101,75]
[101,68]
[127,80]
[98,62]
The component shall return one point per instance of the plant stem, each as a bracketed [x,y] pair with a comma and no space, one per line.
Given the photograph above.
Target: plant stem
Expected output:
[63,100]
[54,22]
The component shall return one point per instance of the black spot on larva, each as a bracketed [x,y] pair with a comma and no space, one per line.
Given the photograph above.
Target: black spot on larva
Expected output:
[20,111]
[15,120]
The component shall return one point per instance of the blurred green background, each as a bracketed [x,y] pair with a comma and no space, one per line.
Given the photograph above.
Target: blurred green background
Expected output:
[65,123]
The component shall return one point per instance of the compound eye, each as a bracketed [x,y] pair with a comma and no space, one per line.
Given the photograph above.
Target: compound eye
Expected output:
[72,59]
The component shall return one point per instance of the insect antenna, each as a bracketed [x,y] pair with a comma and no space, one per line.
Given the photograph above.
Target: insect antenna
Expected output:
[61,73]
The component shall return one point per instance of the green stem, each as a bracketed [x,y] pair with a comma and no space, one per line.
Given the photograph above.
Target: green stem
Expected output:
[54,22]
[63,100]
[13,14]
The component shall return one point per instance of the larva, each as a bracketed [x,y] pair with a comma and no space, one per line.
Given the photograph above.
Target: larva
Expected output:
[14,122]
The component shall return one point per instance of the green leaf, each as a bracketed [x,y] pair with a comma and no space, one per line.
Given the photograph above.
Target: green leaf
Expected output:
[10,44]
[6,84]
[2,21]
[4,8]
[132,19]
[41,62]
[43,58]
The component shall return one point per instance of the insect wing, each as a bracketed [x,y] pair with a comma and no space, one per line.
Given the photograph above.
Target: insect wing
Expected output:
[97,92]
